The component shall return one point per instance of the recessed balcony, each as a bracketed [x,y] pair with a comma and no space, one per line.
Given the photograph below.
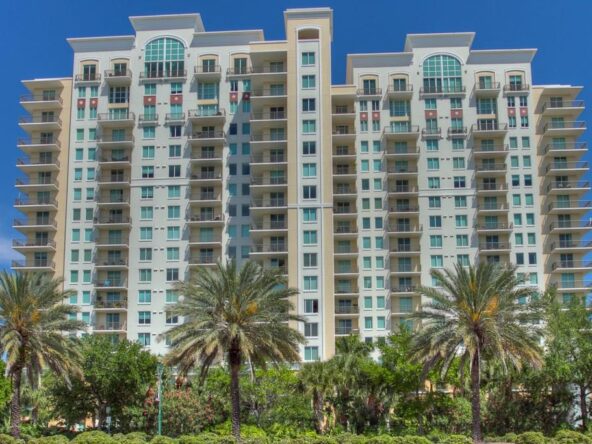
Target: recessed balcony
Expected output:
[113,180]
[208,138]
[265,248]
[203,260]
[215,117]
[494,227]
[207,72]
[269,182]
[401,133]
[112,243]
[112,220]
[403,190]
[109,201]
[109,327]
[405,269]
[516,89]
[171,75]
[116,120]
[110,283]
[492,208]
[457,132]
[111,263]
[495,247]
[205,177]
[404,249]
[102,304]
[402,154]
[404,230]
[277,203]
[491,169]
[345,231]
[206,219]
[403,209]
[442,90]
[489,129]
[491,151]
[399,92]
[404,290]
[492,188]
[116,141]
[487,89]
[345,311]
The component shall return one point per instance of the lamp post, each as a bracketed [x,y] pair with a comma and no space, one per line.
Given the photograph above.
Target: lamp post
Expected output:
[159,371]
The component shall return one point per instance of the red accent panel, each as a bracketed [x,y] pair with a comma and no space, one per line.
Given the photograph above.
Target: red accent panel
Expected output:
[149,100]
[431,114]
[524,111]
[177,98]
[81,103]
[364,116]
[246,96]
[234,96]
[94,102]
[456,113]
[511,112]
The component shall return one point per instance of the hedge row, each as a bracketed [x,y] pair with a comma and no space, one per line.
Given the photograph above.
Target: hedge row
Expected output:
[97,437]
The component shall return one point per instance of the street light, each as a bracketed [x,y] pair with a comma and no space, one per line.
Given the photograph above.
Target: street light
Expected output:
[159,371]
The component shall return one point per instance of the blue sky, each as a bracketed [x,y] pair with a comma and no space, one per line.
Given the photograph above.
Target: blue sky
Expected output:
[35,42]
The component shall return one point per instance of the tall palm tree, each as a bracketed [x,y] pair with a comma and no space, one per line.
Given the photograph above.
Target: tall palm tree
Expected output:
[241,315]
[32,333]
[477,313]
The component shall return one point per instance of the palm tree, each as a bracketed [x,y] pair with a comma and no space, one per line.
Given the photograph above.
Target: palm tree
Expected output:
[477,313]
[32,332]
[242,315]
[317,381]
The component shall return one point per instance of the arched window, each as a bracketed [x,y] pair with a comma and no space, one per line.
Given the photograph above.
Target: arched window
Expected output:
[164,57]
[442,73]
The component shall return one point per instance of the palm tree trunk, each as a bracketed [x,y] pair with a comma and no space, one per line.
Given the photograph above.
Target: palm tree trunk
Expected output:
[583,407]
[235,363]
[476,397]
[15,404]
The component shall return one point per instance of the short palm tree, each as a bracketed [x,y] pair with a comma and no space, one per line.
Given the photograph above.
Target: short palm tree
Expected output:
[32,334]
[317,380]
[238,314]
[477,313]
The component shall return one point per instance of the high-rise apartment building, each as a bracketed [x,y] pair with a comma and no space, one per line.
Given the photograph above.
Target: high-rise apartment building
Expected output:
[174,147]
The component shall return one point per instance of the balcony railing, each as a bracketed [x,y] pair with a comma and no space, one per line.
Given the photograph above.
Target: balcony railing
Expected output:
[111,261]
[266,203]
[490,167]
[203,113]
[369,91]
[37,263]
[39,141]
[563,104]
[494,226]
[174,117]
[342,229]
[209,175]
[568,205]
[34,201]
[214,217]
[516,87]
[148,118]
[269,92]
[117,73]
[269,248]
[569,224]
[168,74]
[399,89]
[110,304]
[489,126]
[32,162]
[346,309]
[207,135]
[40,119]
[110,283]
[261,180]
[207,69]
[494,246]
[557,185]
[270,115]
[33,243]
[115,219]
[271,225]
[571,244]
[271,158]
[494,86]
[203,259]
[571,264]
[345,330]
[114,117]
[87,77]
[566,146]
[41,98]
[575,124]
[441,89]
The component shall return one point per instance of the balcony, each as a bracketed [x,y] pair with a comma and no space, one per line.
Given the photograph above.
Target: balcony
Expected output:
[113,220]
[24,224]
[404,230]
[39,164]
[33,244]
[569,285]
[273,226]
[113,242]
[489,128]
[343,134]
[174,119]
[266,160]
[403,132]
[568,226]
[111,263]
[399,92]
[516,88]
[203,260]
[346,309]
[116,120]
[87,79]
[492,188]
[563,187]
[215,117]
[207,72]
[213,240]
[368,93]
[567,246]
[113,327]
[118,77]
[33,203]
[269,248]
[271,140]
[404,209]
[267,181]
[101,305]
[268,203]
[403,154]
[404,290]
[268,117]
[200,138]
[562,108]
[113,201]
[205,197]
[39,102]
[206,219]
[566,148]
[111,283]
[113,180]
[206,157]
[206,177]
[457,132]
[403,190]
[485,89]
[341,114]
[116,141]
[494,227]
[345,231]
[40,123]
[560,167]
[148,119]
[406,269]
[169,75]
[269,72]
[571,266]
[345,331]
[574,128]
[345,212]
[492,208]
[491,169]
[568,207]
[495,247]
[431,133]
[440,90]
[404,250]
[110,160]
[491,151]
[269,95]
[39,144]
[37,184]
[33,265]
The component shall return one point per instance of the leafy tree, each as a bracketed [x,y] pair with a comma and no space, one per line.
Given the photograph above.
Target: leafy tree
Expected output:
[569,349]
[32,332]
[114,375]
[477,314]
[316,379]
[242,315]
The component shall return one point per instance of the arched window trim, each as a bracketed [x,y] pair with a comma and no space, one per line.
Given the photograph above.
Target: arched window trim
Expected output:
[445,76]
[166,60]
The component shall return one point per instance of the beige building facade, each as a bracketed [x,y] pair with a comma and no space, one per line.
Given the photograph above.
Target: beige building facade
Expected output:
[176,147]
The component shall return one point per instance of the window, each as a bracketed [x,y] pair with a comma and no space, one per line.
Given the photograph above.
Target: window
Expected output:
[442,73]
[310,259]
[148,152]
[308,81]
[174,170]
[144,297]
[145,275]
[461,221]
[145,254]
[144,317]
[174,191]
[433,163]
[172,253]
[144,339]
[460,182]
[436,241]
[309,148]
[172,274]
[462,240]
[147,172]
[311,306]
[463,260]
[309,170]
[145,233]
[458,163]
[146,213]
[311,329]
[311,353]
[310,283]
[435,221]
[173,233]
[460,201]
[310,237]
[174,151]
[147,192]
[436,261]
[309,126]
[309,192]
[434,202]
[308,105]
[433,182]
[308,58]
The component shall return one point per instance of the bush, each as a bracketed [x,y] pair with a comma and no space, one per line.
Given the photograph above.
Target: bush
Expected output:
[409,439]
[202,438]
[571,437]
[93,437]
[530,438]
[381,439]
[56,439]
[7,439]
[163,440]
[455,439]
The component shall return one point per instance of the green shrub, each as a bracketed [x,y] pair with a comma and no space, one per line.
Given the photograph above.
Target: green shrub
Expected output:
[382,439]
[163,440]
[350,438]
[530,438]
[571,437]
[410,439]
[93,437]
[56,439]
[7,439]
[455,439]
[202,438]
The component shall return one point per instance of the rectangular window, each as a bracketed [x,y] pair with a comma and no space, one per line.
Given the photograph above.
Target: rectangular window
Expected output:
[308,81]
[308,58]
[310,283]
